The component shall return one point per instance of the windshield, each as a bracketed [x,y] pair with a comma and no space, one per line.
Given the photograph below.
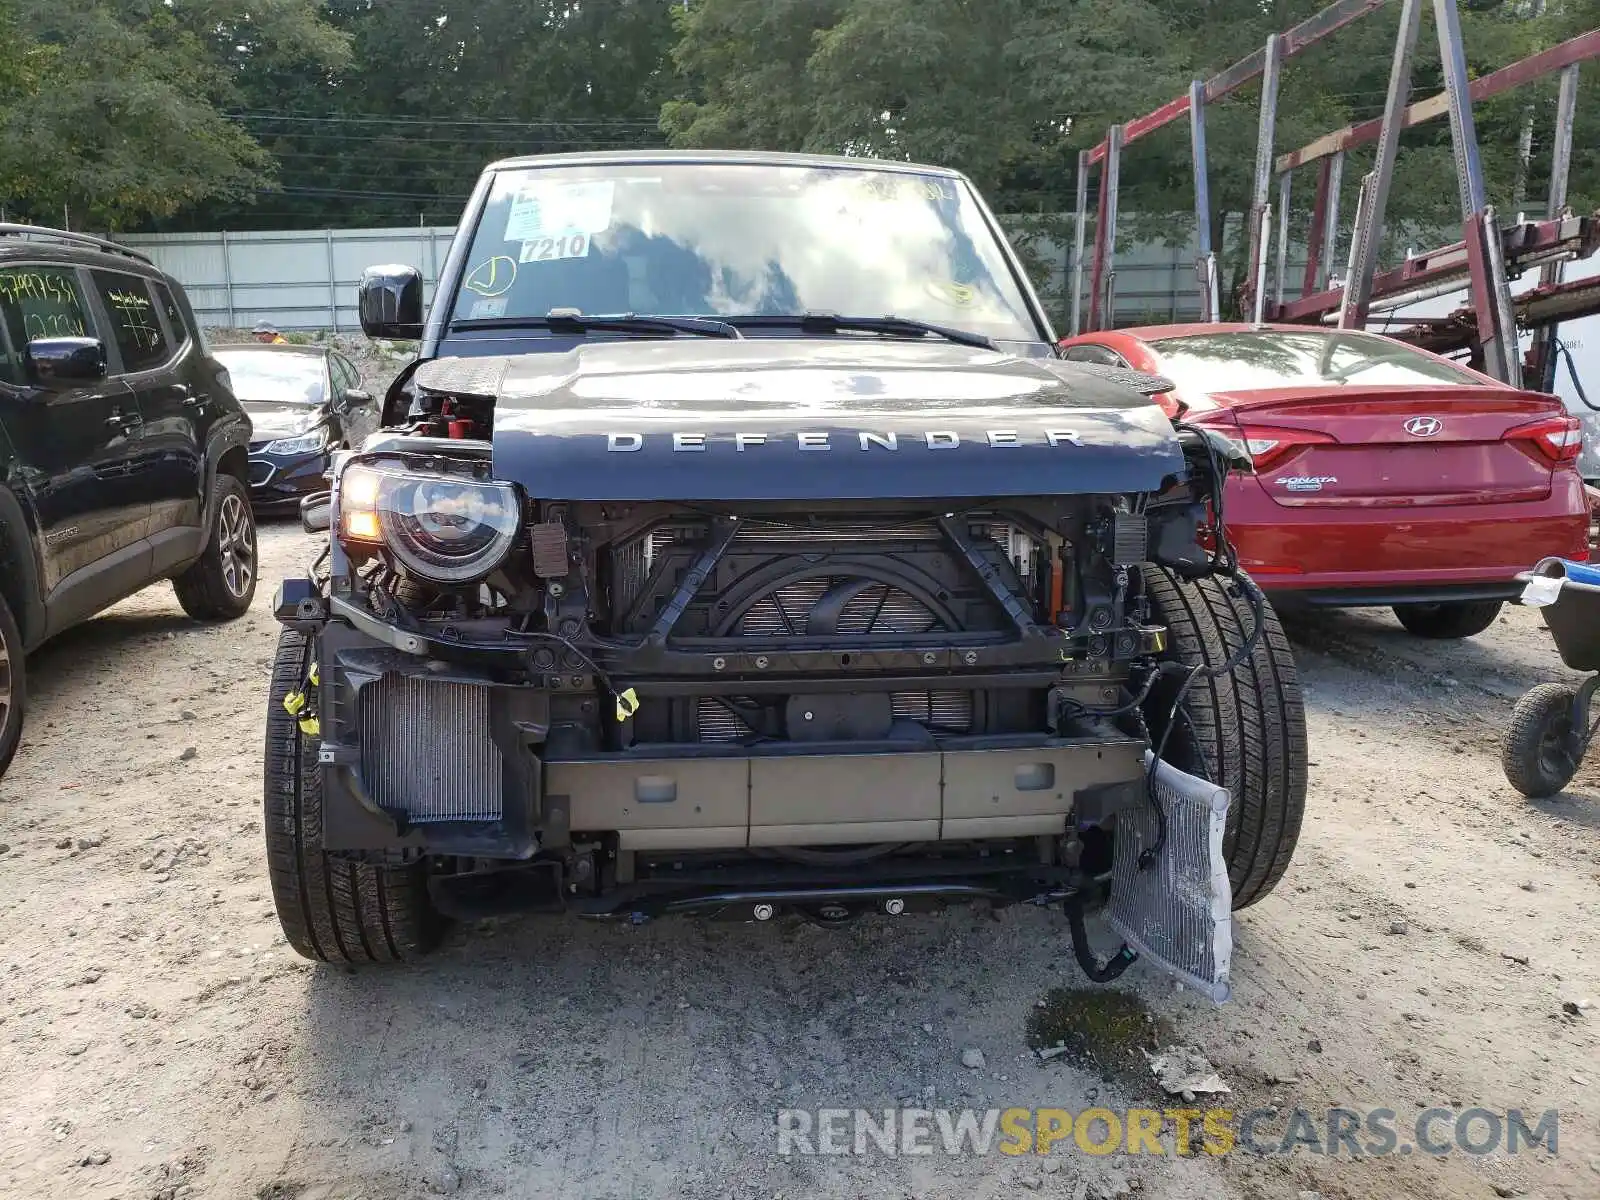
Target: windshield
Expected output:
[1236,362]
[270,378]
[682,239]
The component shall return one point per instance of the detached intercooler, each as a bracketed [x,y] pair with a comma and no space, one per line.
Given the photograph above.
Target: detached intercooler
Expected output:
[1178,912]
[426,749]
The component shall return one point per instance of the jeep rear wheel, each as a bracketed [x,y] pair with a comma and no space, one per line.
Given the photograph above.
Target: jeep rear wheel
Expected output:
[330,909]
[1245,730]
[13,686]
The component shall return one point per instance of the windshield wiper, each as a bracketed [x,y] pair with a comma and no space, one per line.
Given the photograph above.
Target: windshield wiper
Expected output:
[830,322]
[570,320]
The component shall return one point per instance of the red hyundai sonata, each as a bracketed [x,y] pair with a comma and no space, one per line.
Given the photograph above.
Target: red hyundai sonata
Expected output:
[1384,475]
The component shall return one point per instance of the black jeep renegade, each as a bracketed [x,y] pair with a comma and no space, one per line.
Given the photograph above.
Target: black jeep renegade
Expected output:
[122,449]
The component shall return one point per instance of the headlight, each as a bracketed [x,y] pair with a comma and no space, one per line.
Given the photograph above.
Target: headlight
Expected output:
[306,443]
[443,529]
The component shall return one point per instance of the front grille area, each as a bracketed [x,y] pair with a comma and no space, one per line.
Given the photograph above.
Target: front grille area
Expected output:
[942,712]
[831,578]
[426,750]
[877,609]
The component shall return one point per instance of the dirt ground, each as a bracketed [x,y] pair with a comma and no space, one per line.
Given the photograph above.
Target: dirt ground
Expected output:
[159,1040]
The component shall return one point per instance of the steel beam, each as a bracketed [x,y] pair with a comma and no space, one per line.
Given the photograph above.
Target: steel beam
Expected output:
[1205,258]
[1265,126]
[1439,272]
[1542,351]
[1258,297]
[1113,173]
[1077,253]
[1367,237]
[1283,239]
[1575,50]
[1097,267]
[1330,231]
[1316,239]
[1310,31]
[1491,290]
[1105,236]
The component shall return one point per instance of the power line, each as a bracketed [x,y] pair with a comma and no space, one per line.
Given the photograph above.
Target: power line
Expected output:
[499,123]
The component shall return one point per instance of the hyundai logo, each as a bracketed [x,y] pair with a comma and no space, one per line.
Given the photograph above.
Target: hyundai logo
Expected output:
[1423,426]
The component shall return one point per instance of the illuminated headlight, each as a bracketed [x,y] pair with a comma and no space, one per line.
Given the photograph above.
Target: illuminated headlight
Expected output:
[443,529]
[306,443]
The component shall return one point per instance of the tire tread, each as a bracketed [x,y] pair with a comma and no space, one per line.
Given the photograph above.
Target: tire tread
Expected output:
[1521,753]
[330,909]
[1249,725]
[201,591]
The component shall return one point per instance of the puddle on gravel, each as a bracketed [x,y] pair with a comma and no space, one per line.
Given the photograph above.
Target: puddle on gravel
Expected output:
[1103,1030]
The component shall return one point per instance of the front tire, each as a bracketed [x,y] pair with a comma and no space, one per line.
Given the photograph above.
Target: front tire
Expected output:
[330,909]
[1543,748]
[221,583]
[1245,730]
[1450,619]
[13,686]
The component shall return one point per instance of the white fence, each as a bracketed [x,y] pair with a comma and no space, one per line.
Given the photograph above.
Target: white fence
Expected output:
[306,279]
[296,279]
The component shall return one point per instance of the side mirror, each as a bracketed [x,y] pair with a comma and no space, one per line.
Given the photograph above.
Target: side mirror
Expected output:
[356,398]
[390,301]
[65,360]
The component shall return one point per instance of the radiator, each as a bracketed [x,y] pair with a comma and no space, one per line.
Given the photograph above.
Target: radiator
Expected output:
[1178,914]
[426,750]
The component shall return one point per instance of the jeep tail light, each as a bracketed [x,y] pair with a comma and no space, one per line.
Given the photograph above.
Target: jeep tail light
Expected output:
[1558,439]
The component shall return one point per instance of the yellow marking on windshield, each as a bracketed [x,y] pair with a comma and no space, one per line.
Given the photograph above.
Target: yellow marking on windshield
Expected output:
[491,278]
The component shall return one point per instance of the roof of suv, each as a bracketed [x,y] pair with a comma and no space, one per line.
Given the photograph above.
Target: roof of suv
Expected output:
[766,158]
[18,241]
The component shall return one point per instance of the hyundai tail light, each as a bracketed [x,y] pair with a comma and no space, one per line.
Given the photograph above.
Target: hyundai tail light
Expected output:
[1268,446]
[1559,439]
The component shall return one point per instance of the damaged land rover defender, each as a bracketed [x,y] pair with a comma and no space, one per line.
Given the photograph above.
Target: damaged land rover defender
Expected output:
[737,545]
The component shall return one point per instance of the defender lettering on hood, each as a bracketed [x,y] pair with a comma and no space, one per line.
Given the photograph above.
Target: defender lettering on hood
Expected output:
[797,419]
[935,439]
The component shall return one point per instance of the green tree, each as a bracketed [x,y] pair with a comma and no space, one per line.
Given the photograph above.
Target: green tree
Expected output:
[1010,90]
[117,112]
[436,89]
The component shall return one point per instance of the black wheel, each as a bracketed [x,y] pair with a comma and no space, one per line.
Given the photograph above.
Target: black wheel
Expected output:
[1543,747]
[1245,731]
[13,686]
[221,583]
[330,909]
[1449,619]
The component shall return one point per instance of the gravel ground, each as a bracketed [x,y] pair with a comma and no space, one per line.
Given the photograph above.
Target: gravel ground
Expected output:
[159,1040]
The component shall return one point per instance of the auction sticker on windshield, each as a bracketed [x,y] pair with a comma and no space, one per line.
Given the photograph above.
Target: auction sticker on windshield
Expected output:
[546,249]
[541,209]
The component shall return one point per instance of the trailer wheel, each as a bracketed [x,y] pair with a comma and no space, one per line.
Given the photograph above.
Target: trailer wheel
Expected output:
[1448,620]
[1543,748]
[1245,730]
[330,909]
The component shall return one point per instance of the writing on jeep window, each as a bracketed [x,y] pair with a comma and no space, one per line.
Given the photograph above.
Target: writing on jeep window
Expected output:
[40,303]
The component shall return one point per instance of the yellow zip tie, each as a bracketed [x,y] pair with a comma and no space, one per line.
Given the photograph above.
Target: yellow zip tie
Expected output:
[627,704]
[294,702]
[315,676]
[310,726]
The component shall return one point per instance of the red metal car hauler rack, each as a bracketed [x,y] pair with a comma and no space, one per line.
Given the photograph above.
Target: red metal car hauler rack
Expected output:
[1483,262]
